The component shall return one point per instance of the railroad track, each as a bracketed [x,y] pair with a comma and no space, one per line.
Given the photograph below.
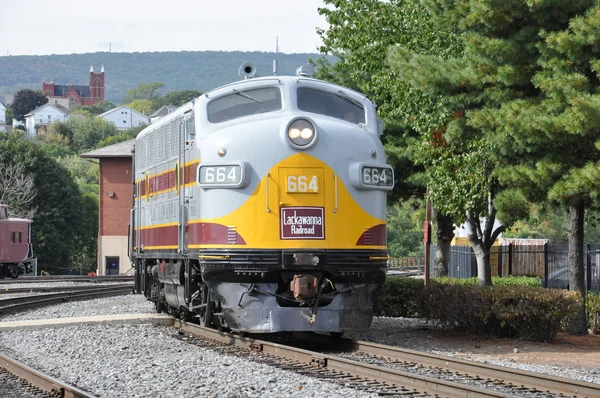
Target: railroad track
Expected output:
[67,278]
[35,381]
[16,304]
[375,372]
[47,289]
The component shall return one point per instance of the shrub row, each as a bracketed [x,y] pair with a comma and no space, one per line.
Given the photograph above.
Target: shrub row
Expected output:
[523,311]
[593,309]
[496,281]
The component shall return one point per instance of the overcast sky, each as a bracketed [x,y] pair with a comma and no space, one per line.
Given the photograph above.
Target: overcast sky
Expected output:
[37,27]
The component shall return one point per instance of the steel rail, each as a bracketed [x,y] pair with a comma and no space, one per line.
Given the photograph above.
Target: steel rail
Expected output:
[418,383]
[67,278]
[29,302]
[541,382]
[42,381]
[47,289]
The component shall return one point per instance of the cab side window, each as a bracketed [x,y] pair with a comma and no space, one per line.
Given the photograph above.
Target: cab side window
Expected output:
[244,103]
[328,104]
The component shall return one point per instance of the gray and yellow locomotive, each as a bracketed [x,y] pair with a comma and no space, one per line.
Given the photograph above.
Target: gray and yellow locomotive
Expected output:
[261,207]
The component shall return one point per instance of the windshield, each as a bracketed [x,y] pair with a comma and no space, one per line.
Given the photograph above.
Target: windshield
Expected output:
[337,106]
[244,103]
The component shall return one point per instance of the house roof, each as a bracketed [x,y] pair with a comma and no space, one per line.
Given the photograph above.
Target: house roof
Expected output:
[59,108]
[60,90]
[123,107]
[118,150]
[163,110]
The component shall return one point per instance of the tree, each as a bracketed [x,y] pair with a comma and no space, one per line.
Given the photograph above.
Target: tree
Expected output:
[529,93]
[405,223]
[143,92]
[85,175]
[85,132]
[56,142]
[359,34]
[98,108]
[17,190]
[25,101]
[58,219]
[143,106]
[9,116]
[177,98]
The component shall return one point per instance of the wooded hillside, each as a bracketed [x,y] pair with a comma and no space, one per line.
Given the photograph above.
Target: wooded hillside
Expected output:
[199,70]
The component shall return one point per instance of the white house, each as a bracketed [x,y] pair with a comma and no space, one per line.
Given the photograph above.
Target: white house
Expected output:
[125,118]
[162,111]
[42,116]
[2,117]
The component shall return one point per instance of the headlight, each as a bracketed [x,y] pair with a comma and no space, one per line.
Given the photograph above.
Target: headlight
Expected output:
[301,132]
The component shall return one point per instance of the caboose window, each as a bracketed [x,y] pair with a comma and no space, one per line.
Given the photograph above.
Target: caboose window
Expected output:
[328,104]
[244,103]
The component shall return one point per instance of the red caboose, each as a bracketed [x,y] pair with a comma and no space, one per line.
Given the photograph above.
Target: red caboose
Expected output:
[15,245]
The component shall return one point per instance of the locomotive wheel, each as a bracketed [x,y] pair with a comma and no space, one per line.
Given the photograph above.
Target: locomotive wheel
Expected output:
[160,301]
[206,315]
[13,271]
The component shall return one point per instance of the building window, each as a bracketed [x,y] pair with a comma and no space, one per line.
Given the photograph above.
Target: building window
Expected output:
[124,121]
[49,117]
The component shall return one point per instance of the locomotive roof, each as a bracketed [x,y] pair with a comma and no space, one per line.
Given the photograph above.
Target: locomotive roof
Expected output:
[287,80]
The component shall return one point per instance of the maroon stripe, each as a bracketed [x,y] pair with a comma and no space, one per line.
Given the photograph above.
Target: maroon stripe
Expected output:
[161,236]
[374,236]
[198,234]
[167,181]
[211,234]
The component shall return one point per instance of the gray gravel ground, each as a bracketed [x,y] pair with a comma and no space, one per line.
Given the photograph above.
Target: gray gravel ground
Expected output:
[408,333]
[146,361]
[130,304]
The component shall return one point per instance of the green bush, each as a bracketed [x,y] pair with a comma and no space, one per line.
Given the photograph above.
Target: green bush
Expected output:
[401,297]
[496,281]
[512,311]
[524,311]
[534,313]
[593,309]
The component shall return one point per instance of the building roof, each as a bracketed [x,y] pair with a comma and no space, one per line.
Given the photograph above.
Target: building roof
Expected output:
[59,108]
[163,110]
[118,150]
[122,107]
[60,90]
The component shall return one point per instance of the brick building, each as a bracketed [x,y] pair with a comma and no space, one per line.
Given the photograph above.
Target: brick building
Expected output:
[115,196]
[77,94]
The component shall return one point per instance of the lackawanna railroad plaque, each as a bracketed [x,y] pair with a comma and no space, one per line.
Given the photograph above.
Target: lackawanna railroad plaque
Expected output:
[302,223]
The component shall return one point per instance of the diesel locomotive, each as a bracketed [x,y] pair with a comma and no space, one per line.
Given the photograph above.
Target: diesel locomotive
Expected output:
[15,245]
[260,207]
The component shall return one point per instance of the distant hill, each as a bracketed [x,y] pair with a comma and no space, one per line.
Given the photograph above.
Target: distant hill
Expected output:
[199,70]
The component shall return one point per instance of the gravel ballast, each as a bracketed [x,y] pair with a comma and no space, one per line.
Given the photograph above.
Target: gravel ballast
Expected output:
[147,361]
[397,332]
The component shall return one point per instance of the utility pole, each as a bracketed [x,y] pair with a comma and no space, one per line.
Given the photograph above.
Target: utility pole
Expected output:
[427,238]
[276,53]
